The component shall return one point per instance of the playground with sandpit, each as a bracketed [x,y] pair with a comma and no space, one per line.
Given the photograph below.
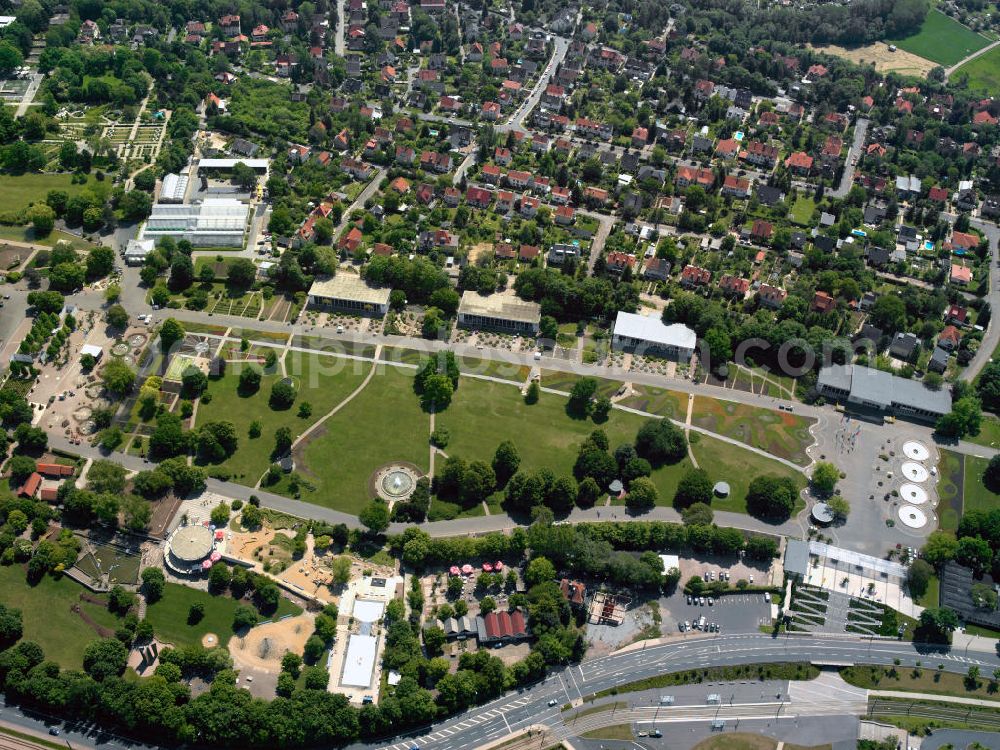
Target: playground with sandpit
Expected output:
[264,645]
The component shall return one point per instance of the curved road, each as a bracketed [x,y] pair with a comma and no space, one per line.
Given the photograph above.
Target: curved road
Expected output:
[517,710]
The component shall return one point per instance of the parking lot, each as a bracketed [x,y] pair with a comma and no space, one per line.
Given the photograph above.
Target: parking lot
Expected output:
[735,613]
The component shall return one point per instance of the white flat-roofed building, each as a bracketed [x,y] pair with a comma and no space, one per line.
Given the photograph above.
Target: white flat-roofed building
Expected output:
[259,164]
[359,661]
[347,291]
[650,335]
[137,250]
[216,222]
[503,312]
[173,188]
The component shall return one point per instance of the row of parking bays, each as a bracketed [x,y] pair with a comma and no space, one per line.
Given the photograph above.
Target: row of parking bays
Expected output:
[701,601]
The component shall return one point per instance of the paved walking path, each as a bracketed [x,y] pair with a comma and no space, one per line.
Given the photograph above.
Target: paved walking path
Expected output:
[342,404]
[948,71]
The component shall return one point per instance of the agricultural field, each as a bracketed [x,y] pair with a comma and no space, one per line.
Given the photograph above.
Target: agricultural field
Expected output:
[983,72]
[884,60]
[941,40]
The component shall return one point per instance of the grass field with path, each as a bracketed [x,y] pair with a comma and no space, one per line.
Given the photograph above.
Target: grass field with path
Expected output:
[564,381]
[779,433]
[727,463]
[323,382]
[983,72]
[169,615]
[941,40]
[927,679]
[383,423]
[485,413]
[46,611]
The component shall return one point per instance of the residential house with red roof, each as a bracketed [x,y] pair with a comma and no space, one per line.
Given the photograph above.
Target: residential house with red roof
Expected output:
[693,276]
[761,231]
[799,163]
[822,302]
[478,197]
[734,286]
[736,187]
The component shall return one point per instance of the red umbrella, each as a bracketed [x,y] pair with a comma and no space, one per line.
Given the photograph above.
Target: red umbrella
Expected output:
[206,564]
[487,567]
[498,565]
[454,570]
[215,557]
[467,569]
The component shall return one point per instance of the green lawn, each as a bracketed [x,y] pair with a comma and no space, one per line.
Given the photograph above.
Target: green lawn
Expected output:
[323,382]
[989,434]
[976,495]
[169,615]
[802,210]
[48,618]
[17,192]
[941,40]
[484,413]
[983,72]
[383,423]
[951,489]
[727,463]
[925,680]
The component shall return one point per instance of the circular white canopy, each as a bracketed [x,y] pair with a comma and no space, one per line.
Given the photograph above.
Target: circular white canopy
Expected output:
[912,516]
[915,472]
[916,450]
[911,493]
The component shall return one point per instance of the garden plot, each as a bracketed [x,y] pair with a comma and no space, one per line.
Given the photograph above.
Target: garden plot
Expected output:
[246,306]
[780,434]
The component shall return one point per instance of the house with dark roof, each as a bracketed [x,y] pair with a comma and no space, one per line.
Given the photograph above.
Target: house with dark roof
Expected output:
[903,345]
[939,360]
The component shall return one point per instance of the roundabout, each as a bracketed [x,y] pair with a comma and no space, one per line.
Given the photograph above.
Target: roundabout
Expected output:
[912,517]
[914,472]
